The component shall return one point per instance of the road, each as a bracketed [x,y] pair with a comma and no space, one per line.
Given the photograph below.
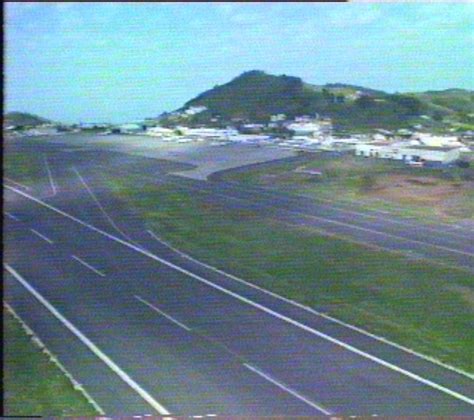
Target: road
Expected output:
[148,330]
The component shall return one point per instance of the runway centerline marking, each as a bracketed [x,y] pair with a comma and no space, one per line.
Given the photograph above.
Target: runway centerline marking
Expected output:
[318,407]
[50,176]
[269,311]
[85,264]
[11,216]
[101,208]
[169,317]
[99,353]
[40,235]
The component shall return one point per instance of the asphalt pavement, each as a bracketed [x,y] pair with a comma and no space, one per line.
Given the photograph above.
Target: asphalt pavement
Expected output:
[146,329]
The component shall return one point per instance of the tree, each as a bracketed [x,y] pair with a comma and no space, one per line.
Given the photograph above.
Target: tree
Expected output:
[438,116]
[364,102]
[412,105]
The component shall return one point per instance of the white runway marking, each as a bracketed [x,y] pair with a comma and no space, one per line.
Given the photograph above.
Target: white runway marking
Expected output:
[17,183]
[50,176]
[311,310]
[88,266]
[289,390]
[169,317]
[99,353]
[42,236]
[91,193]
[275,314]
[11,216]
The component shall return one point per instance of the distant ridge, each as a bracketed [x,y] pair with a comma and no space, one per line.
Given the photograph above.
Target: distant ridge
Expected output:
[23,119]
[255,95]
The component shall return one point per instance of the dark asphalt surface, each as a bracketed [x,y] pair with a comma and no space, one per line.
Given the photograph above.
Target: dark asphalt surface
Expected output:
[202,369]
[442,243]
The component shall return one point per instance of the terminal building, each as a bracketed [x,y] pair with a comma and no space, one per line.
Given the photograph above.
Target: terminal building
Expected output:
[408,153]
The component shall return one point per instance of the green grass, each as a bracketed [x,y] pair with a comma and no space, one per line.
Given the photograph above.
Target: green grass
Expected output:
[425,307]
[23,167]
[33,385]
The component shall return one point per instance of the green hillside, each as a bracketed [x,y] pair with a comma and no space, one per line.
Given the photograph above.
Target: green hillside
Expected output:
[455,100]
[452,106]
[255,96]
[23,119]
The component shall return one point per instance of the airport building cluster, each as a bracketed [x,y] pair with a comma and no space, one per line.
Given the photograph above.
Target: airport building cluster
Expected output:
[302,133]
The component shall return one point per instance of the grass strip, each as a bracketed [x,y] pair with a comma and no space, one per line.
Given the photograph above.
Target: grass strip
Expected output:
[34,385]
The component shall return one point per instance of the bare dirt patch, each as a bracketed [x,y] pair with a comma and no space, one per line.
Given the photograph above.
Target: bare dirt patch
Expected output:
[420,190]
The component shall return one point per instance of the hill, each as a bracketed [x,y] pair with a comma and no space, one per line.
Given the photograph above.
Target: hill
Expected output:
[255,95]
[456,100]
[23,119]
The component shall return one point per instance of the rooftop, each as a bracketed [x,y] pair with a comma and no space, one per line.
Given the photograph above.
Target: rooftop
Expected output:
[433,148]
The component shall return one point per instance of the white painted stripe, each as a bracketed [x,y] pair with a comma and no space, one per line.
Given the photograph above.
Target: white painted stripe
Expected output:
[88,266]
[50,176]
[109,219]
[311,310]
[307,401]
[11,216]
[17,183]
[42,236]
[55,360]
[169,317]
[99,353]
[346,346]
[390,235]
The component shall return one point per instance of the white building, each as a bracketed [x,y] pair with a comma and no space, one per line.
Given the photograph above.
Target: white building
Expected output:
[305,128]
[131,128]
[342,144]
[437,141]
[278,117]
[408,153]
[193,110]
[248,138]
[160,132]
[42,131]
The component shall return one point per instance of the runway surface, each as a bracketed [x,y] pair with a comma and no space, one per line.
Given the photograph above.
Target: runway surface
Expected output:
[148,330]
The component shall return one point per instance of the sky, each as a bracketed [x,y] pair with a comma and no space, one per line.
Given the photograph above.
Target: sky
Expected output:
[121,62]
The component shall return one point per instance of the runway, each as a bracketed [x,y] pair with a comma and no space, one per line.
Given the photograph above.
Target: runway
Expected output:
[148,330]
[445,244]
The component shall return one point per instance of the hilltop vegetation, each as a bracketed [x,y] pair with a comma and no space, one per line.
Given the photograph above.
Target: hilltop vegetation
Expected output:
[23,119]
[255,96]
[453,100]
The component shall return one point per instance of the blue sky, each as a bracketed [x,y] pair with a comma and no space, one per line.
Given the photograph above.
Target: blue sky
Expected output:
[122,61]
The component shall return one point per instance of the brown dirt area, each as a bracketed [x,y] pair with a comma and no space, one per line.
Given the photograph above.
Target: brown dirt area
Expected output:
[441,194]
